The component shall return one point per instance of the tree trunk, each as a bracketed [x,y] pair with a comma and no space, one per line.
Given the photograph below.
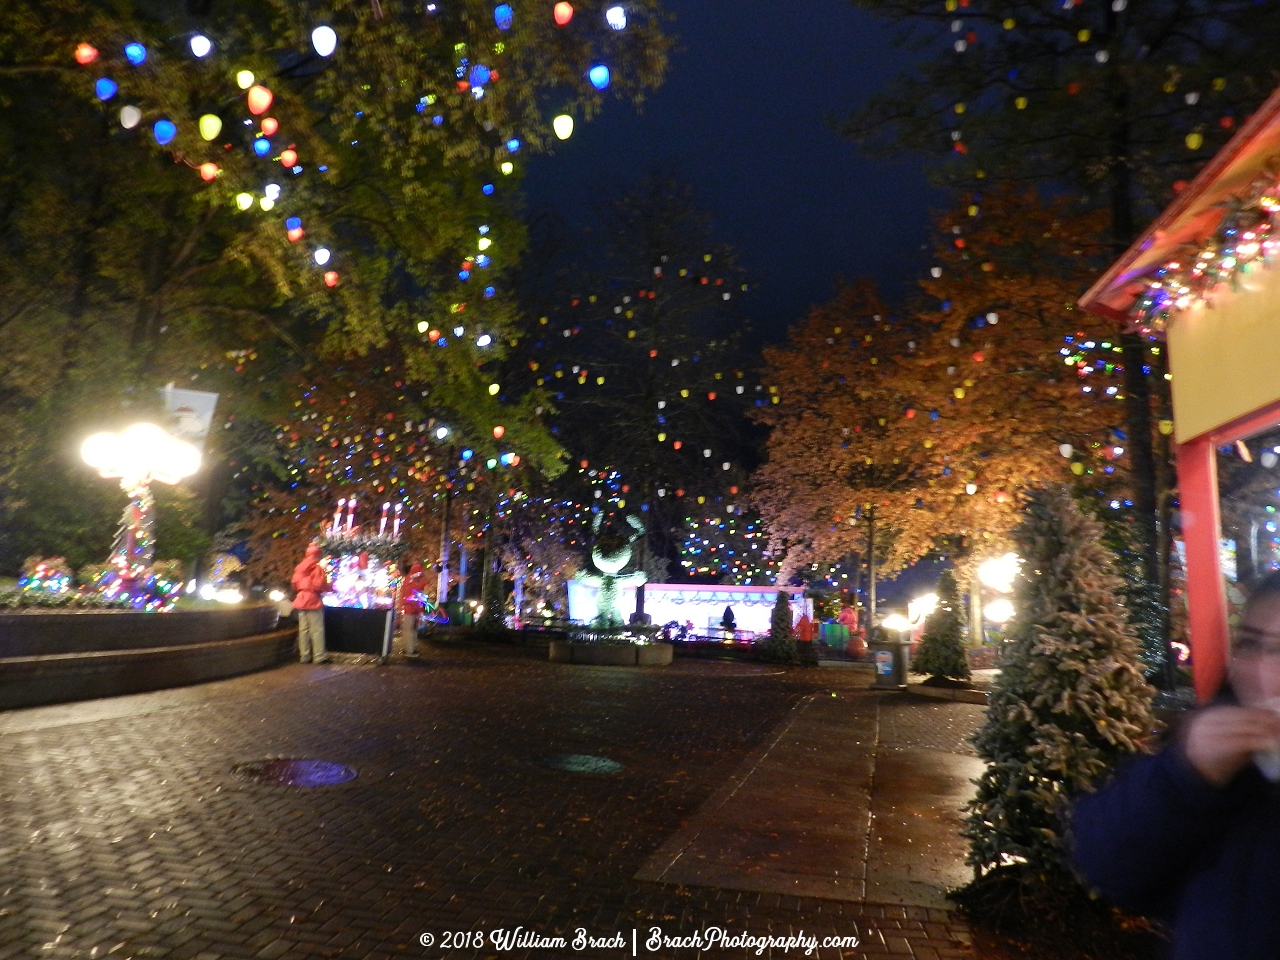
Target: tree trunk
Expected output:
[442,585]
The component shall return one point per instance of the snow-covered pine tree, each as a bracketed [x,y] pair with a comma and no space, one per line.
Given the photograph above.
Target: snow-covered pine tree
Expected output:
[1070,701]
[942,652]
[780,648]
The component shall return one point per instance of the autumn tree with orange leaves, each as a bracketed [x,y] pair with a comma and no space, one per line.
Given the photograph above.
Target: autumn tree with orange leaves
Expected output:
[937,424]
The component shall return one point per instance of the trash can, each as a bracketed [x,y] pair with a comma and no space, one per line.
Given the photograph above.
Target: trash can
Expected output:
[892,661]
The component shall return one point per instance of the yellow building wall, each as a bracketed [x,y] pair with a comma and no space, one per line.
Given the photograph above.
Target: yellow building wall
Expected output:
[1225,358]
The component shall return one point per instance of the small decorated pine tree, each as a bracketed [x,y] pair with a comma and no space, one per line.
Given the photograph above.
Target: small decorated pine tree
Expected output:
[1070,701]
[780,648]
[941,654]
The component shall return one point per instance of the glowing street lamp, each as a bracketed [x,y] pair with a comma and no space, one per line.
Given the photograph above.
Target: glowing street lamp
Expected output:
[920,608]
[896,621]
[998,573]
[139,455]
[998,611]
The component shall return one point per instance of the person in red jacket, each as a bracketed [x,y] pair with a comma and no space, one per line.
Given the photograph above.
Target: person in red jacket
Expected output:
[309,581]
[411,607]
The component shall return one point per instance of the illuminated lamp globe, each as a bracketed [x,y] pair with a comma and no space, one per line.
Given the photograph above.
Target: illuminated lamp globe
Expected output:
[324,40]
[135,53]
[244,79]
[563,13]
[322,255]
[244,201]
[269,126]
[105,88]
[998,573]
[616,17]
[441,432]
[998,611]
[331,278]
[201,46]
[599,76]
[208,171]
[563,126]
[288,158]
[971,488]
[140,454]
[262,146]
[210,126]
[499,431]
[493,389]
[896,621]
[503,16]
[1066,450]
[130,117]
[507,168]
[259,99]
[86,54]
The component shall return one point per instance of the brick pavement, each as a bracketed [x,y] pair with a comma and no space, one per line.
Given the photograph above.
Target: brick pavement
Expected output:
[124,834]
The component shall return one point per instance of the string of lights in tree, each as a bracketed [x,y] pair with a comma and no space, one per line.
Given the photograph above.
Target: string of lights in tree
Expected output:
[550,370]
[1019,96]
[222,155]
[732,548]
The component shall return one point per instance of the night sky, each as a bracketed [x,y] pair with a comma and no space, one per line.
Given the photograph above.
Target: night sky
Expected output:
[745,117]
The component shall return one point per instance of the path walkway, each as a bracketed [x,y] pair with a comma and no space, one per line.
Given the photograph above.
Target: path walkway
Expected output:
[841,803]
[124,833]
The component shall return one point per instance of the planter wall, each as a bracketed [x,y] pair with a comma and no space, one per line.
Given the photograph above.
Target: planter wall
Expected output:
[53,632]
[36,681]
[611,654]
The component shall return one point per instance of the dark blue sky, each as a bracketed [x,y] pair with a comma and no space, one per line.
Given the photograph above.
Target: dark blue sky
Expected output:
[745,117]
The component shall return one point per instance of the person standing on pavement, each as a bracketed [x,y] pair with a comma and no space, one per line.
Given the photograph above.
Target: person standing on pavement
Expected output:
[411,607]
[310,582]
[1192,834]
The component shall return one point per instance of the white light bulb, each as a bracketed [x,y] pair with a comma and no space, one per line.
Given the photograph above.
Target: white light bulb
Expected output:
[322,256]
[201,46]
[130,117]
[616,17]
[324,40]
[272,191]
[563,126]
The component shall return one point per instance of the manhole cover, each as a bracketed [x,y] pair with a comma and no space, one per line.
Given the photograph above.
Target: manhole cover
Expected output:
[294,773]
[582,763]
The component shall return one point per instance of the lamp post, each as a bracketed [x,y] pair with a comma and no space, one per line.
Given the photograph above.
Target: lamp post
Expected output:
[138,455]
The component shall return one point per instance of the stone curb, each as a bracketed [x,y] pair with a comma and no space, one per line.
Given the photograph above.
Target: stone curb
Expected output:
[945,693]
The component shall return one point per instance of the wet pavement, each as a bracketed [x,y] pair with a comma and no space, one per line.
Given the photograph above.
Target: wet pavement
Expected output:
[125,831]
[851,799]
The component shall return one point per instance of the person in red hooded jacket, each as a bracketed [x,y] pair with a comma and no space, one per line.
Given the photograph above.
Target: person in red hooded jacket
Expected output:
[309,581]
[411,593]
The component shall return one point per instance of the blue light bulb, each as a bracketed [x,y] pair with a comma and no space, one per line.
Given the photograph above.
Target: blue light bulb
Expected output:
[467,454]
[599,76]
[479,75]
[487,189]
[164,131]
[293,223]
[503,16]
[135,53]
[105,88]
[513,145]
[262,146]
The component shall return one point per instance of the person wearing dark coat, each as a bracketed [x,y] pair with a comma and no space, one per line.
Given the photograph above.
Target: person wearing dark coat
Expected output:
[1191,834]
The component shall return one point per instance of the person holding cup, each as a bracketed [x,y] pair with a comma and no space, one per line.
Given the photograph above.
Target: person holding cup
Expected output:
[1191,834]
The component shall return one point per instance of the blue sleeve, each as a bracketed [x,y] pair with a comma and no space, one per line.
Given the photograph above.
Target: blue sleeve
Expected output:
[1134,839]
